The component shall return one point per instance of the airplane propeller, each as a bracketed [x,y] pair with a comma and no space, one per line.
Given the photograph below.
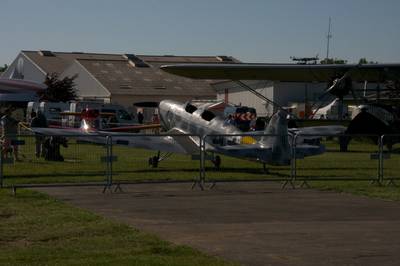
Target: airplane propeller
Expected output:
[341,86]
[338,87]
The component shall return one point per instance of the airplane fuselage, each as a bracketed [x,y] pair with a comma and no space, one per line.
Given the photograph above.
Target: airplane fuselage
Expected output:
[201,122]
[196,121]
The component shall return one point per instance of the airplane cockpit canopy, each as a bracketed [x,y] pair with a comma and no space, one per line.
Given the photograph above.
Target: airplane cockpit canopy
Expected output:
[208,115]
[190,108]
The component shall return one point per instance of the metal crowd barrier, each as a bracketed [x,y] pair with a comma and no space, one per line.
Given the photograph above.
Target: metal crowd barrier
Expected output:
[139,165]
[118,162]
[64,161]
[244,166]
[389,159]
[362,162]
[111,162]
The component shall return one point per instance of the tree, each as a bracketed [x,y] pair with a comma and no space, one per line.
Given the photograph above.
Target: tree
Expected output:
[58,90]
[364,61]
[331,61]
[3,68]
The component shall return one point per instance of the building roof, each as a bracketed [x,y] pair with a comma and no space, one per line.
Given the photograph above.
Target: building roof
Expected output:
[129,73]
[57,62]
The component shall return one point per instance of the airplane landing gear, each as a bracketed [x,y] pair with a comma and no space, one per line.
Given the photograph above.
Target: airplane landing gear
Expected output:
[153,161]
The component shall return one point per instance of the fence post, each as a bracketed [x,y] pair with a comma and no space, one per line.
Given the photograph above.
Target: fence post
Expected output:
[1,166]
[201,180]
[110,162]
[381,159]
[202,164]
[294,158]
[292,178]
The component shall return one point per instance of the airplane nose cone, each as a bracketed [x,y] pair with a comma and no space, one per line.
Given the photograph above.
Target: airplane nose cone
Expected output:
[163,109]
[163,106]
[167,105]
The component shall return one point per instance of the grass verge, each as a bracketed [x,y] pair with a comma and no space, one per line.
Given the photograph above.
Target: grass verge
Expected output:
[362,188]
[36,229]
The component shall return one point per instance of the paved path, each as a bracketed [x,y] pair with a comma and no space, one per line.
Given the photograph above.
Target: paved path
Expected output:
[256,223]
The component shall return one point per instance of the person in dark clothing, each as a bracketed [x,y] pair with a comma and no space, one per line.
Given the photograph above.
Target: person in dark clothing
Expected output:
[9,128]
[140,117]
[51,148]
[38,120]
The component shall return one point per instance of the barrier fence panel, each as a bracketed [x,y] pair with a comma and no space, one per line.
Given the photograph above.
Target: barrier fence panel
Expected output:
[359,162]
[155,158]
[135,158]
[391,159]
[244,157]
[61,159]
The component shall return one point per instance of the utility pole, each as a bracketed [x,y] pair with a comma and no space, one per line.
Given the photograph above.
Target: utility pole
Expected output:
[328,37]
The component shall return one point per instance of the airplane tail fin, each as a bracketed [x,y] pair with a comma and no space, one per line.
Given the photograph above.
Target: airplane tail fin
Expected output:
[278,142]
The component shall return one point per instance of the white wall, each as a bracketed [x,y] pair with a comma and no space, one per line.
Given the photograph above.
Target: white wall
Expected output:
[286,92]
[22,65]
[87,87]
[282,93]
[239,96]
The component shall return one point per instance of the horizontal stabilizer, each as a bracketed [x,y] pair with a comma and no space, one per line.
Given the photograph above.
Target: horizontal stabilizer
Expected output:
[318,131]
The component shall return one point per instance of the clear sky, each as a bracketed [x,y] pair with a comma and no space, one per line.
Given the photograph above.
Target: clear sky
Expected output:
[252,30]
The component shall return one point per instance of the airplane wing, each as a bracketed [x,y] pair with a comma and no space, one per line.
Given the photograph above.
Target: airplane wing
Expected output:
[20,86]
[132,128]
[156,142]
[312,133]
[72,132]
[318,130]
[285,72]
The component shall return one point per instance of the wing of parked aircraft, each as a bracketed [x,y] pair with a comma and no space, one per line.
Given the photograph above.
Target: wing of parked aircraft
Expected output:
[285,72]
[318,130]
[184,122]
[107,125]
[20,86]
[157,143]
[14,90]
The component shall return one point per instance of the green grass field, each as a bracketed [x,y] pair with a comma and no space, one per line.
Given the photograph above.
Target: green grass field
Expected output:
[38,230]
[83,164]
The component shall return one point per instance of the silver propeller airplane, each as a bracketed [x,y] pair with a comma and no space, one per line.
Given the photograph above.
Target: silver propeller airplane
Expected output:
[374,118]
[273,146]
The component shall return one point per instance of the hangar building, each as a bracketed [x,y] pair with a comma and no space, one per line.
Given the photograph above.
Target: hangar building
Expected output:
[292,95]
[118,78]
[284,94]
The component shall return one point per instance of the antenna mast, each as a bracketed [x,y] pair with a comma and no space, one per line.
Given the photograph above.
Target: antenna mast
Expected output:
[328,37]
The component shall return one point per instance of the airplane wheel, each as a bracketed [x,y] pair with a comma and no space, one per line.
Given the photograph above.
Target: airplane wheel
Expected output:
[153,161]
[217,161]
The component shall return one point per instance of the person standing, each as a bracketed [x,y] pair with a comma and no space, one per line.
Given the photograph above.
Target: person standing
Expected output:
[9,128]
[140,117]
[38,120]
